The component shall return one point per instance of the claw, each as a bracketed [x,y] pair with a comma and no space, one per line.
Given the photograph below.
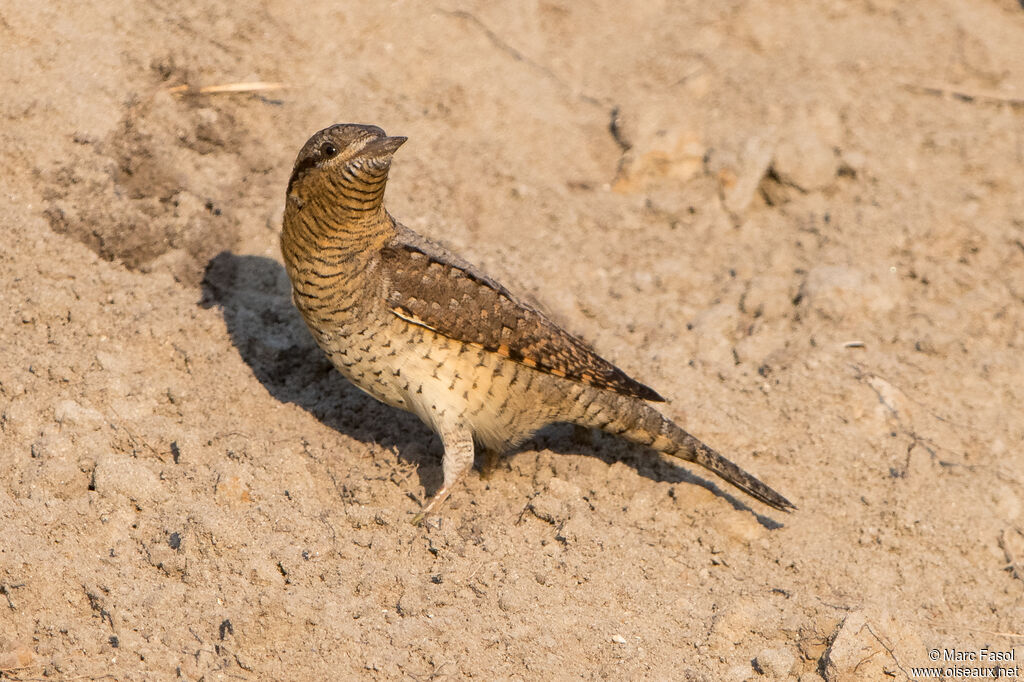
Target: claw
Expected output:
[435,501]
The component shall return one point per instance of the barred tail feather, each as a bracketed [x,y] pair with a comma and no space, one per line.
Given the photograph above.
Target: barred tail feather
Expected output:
[695,451]
[637,422]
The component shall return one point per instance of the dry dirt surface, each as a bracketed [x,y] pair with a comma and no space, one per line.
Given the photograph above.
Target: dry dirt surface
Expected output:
[802,222]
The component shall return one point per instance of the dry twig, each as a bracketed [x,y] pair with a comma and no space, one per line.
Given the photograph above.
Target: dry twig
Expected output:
[966,95]
[227,88]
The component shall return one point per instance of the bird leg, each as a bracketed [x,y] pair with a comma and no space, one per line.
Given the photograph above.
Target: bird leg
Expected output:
[458,459]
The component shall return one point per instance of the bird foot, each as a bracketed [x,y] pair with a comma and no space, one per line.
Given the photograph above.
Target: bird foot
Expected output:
[434,502]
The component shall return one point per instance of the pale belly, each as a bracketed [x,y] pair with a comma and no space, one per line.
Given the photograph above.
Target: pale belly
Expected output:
[445,382]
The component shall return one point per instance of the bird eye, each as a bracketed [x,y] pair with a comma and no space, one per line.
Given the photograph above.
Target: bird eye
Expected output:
[328,150]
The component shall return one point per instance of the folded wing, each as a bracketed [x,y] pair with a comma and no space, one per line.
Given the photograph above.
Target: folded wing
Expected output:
[430,287]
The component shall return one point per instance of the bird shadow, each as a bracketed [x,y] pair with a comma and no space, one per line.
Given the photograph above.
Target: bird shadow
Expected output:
[254,296]
[564,439]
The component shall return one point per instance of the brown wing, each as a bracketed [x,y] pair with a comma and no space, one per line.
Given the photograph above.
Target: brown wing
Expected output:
[435,289]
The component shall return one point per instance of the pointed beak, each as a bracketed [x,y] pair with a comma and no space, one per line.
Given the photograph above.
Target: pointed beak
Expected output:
[383,146]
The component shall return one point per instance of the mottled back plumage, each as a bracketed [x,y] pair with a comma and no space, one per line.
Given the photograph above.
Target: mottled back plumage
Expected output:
[427,288]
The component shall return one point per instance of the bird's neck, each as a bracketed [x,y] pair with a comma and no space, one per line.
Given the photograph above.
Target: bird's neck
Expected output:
[331,234]
[342,215]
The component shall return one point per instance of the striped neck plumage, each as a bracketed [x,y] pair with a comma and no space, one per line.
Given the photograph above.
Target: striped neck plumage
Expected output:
[345,204]
[359,186]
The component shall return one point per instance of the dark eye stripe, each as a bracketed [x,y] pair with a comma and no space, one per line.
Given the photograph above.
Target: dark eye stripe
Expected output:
[326,151]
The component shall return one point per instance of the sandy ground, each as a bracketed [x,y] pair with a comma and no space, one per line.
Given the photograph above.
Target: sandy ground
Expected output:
[801,222]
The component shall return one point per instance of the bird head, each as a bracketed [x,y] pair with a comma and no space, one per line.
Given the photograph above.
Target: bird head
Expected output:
[347,160]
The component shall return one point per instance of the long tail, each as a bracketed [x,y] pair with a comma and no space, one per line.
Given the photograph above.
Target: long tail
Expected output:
[638,422]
